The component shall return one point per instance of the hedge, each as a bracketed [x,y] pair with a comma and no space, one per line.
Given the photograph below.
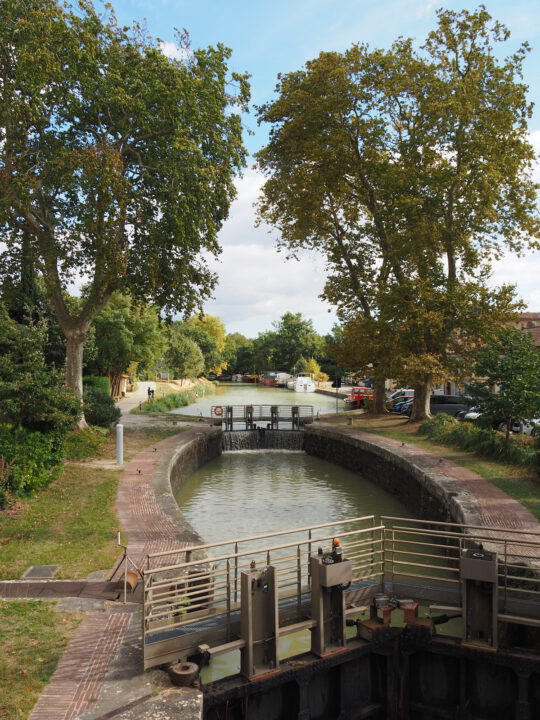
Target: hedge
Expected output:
[97,381]
[487,443]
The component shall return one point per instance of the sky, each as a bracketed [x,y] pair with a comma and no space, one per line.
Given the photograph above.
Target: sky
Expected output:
[257,285]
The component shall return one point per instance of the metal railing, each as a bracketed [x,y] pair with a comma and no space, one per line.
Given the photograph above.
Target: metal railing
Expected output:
[296,415]
[206,587]
[198,600]
[424,553]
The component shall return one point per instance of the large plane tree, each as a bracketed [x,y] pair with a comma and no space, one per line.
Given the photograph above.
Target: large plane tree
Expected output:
[409,169]
[116,162]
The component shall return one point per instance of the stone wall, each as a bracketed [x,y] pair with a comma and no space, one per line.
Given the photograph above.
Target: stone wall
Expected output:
[427,493]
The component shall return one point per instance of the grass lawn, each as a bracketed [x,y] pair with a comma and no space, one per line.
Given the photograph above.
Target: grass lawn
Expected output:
[72,522]
[522,484]
[34,634]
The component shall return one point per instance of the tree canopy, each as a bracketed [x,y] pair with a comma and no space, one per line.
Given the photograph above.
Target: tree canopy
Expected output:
[508,372]
[116,162]
[409,169]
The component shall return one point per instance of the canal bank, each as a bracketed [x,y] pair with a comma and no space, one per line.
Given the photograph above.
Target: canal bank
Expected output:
[151,520]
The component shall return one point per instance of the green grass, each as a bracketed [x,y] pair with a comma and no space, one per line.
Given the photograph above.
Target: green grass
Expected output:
[87,443]
[71,523]
[34,635]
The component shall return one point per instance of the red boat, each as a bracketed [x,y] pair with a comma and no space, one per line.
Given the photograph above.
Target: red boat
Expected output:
[358,397]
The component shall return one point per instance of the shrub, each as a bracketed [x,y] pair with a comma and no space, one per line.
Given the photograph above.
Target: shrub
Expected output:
[31,460]
[486,442]
[81,444]
[97,381]
[99,407]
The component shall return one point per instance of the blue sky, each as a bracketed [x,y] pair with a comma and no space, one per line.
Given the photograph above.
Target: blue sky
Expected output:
[257,285]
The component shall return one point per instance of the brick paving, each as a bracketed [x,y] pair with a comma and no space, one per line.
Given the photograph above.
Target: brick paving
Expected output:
[78,680]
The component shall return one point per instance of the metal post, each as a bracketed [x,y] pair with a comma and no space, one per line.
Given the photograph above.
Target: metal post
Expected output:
[125,574]
[119,444]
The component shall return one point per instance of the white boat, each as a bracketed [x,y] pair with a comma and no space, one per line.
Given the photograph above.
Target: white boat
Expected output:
[303,382]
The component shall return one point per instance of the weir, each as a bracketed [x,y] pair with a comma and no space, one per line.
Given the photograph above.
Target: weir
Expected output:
[263,439]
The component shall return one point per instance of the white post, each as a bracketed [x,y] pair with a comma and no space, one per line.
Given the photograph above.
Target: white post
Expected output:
[119,444]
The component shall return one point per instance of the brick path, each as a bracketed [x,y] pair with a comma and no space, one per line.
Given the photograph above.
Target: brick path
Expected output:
[77,682]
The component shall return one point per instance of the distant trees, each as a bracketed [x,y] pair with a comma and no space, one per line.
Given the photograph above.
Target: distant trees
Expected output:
[125,334]
[409,170]
[183,356]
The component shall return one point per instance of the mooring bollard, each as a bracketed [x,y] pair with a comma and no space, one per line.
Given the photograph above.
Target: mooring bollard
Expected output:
[119,444]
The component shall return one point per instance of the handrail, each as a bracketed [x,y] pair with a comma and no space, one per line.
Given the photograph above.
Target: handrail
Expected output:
[333,523]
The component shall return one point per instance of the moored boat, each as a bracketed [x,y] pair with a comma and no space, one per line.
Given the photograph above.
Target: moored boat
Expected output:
[358,397]
[303,382]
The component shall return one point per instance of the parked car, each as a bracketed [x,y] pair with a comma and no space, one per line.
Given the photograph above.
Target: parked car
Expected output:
[475,415]
[406,407]
[403,397]
[449,404]
[523,427]
[398,393]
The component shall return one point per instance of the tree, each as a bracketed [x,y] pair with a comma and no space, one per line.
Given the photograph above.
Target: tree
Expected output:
[238,353]
[184,357]
[508,368]
[125,333]
[31,394]
[409,170]
[116,162]
[206,343]
[293,337]
[312,366]
[212,329]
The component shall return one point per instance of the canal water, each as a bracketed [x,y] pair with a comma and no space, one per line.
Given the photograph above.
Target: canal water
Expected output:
[246,493]
[252,492]
[252,394]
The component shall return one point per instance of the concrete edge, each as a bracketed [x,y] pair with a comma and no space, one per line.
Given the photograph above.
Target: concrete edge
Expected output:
[163,491]
[444,488]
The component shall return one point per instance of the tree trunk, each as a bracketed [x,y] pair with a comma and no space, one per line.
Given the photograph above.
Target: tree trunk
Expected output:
[422,393]
[74,363]
[379,397]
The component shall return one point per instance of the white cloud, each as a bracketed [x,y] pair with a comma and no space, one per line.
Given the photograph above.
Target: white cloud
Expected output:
[257,285]
[428,7]
[171,50]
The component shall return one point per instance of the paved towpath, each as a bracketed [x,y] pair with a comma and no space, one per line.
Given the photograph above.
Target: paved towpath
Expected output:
[78,681]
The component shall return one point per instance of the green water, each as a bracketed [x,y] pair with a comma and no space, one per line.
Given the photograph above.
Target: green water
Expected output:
[252,492]
[252,394]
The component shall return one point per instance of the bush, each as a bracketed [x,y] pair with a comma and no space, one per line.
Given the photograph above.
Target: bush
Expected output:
[81,444]
[99,407]
[486,442]
[30,460]
[97,381]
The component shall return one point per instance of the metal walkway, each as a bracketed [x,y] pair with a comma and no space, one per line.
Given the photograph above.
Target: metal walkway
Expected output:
[275,416]
[201,601]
